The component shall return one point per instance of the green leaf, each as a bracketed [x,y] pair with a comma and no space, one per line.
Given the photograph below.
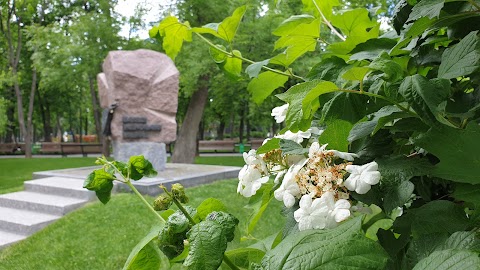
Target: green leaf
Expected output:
[345,246]
[255,68]
[290,147]
[207,206]
[217,55]
[290,25]
[346,106]
[300,40]
[468,193]
[303,100]
[426,8]
[233,65]
[326,6]
[272,144]
[178,222]
[336,134]
[368,128]
[450,259]
[242,257]
[327,70]
[396,171]
[226,220]
[228,27]
[257,205]
[140,167]
[98,180]
[463,240]
[427,218]
[266,82]
[384,224]
[426,97]
[207,245]
[393,72]
[461,59]
[371,49]
[104,194]
[174,34]
[356,73]
[146,255]
[457,150]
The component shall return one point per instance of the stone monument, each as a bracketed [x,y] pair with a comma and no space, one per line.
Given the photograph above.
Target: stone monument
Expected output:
[139,94]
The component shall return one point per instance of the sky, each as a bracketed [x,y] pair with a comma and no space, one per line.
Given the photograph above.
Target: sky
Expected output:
[127,9]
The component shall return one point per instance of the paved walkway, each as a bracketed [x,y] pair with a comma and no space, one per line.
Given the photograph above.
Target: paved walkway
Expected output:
[53,194]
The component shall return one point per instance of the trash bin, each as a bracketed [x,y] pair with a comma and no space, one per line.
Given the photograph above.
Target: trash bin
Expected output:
[241,148]
[36,148]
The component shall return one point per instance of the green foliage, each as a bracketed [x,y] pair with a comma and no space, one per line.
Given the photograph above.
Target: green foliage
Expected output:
[313,249]
[146,255]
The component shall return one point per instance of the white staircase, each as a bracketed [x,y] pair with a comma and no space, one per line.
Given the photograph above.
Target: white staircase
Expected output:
[43,201]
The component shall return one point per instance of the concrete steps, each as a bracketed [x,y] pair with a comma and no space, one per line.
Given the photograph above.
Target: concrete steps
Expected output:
[43,202]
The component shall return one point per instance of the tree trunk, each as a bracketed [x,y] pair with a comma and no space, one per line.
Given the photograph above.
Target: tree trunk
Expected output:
[242,124]
[186,143]
[29,131]
[11,122]
[46,118]
[221,130]
[97,114]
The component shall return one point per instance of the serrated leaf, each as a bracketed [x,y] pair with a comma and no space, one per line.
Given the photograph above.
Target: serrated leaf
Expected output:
[289,25]
[425,96]
[242,257]
[393,72]
[426,8]
[266,82]
[457,149]
[368,128]
[396,171]
[174,34]
[98,180]
[228,27]
[146,255]
[207,246]
[255,68]
[327,70]
[461,59]
[384,224]
[372,48]
[271,144]
[356,73]
[303,101]
[105,193]
[468,193]
[401,12]
[226,220]
[207,206]
[451,259]
[326,6]
[463,240]
[140,167]
[345,245]
[346,106]
[336,134]
[290,147]
[232,66]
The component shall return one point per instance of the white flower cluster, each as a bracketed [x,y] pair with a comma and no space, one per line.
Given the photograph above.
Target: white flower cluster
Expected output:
[317,181]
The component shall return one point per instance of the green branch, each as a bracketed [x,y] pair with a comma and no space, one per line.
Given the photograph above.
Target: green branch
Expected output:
[248,60]
[474,4]
[149,206]
[380,97]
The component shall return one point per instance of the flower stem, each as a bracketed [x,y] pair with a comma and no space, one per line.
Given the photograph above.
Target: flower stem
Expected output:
[324,19]
[162,221]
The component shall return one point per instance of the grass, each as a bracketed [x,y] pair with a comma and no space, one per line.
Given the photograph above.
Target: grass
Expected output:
[14,171]
[101,236]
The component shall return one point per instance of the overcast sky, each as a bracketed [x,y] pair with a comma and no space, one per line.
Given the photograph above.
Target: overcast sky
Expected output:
[127,9]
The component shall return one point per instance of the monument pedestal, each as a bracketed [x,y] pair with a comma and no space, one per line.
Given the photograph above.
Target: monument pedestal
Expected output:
[153,151]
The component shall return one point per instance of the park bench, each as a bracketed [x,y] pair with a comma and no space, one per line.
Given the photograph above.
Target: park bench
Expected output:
[80,148]
[71,148]
[217,146]
[11,148]
[256,143]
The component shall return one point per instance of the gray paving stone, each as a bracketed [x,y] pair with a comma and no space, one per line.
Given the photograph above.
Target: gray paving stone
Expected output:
[63,186]
[8,238]
[46,203]
[24,222]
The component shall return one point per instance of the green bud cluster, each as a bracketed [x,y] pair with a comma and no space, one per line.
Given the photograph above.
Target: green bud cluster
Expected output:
[178,192]
[162,202]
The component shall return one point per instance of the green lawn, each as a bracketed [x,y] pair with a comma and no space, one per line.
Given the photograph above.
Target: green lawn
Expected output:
[14,171]
[101,236]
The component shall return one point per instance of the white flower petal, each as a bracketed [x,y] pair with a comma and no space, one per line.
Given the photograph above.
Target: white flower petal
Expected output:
[288,200]
[362,187]
[371,178]
[305,201]
[341,215]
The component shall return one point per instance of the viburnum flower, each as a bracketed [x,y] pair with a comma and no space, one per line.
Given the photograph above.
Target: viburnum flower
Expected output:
[289,190]
[343,155]
[280,113]
[322,212]
[297,137]
[252,175]
[363,177]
